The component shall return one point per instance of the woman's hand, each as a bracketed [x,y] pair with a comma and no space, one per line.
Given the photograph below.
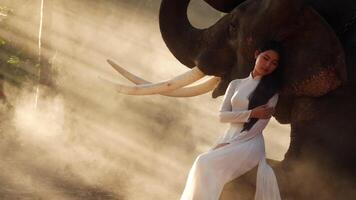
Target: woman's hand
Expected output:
[262,112]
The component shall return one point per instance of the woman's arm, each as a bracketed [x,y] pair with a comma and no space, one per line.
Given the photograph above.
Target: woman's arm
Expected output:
[258,127]
[262,123]
[226,115]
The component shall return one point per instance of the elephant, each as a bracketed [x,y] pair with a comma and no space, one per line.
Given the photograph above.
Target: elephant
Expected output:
[318,97]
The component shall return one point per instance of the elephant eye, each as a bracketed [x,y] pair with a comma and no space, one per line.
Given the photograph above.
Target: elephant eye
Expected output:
[233,25]
[233,28]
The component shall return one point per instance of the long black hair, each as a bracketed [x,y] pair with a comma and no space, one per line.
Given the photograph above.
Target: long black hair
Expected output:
[269,84]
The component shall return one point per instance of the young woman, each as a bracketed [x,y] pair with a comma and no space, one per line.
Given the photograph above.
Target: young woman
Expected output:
[247,105]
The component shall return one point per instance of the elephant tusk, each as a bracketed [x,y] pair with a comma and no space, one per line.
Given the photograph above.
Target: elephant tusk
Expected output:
[190,91]
[195,90]
[165,86]
[133,78]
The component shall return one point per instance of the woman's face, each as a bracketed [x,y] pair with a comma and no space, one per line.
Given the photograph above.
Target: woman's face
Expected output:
[266,62]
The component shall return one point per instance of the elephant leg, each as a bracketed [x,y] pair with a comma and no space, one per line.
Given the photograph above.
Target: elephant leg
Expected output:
[320,163]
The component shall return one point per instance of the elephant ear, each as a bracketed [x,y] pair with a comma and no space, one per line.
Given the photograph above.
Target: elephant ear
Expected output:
[224,5]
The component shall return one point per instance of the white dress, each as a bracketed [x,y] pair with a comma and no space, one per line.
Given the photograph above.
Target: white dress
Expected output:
[213,169]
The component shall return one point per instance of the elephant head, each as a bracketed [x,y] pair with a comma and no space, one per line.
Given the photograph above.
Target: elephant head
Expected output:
[313,58]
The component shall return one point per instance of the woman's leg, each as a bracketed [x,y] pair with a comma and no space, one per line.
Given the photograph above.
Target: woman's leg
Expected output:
[202,183]
[212,169]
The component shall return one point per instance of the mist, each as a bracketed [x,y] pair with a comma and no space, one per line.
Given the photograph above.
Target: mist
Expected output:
[87,141]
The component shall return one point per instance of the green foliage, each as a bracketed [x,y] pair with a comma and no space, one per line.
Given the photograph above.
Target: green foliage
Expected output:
[17,64]
[13,60]
[2,42]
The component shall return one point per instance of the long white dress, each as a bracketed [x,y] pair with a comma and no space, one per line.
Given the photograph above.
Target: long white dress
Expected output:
[213,169]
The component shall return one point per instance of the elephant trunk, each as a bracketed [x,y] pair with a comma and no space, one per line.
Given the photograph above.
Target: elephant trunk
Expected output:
[181,38]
